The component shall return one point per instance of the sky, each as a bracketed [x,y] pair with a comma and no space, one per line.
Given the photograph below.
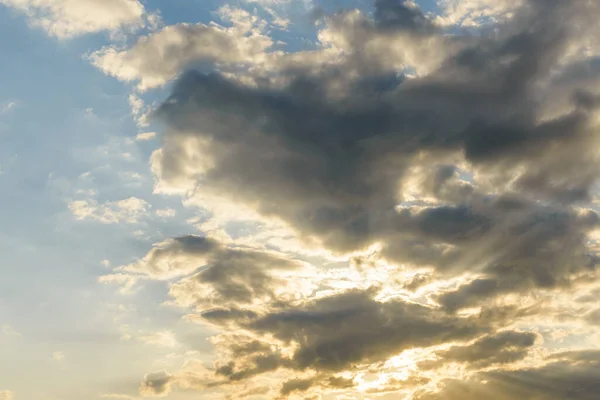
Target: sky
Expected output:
[299,199]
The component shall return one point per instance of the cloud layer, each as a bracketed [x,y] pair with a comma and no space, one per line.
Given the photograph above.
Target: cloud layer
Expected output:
[439,188]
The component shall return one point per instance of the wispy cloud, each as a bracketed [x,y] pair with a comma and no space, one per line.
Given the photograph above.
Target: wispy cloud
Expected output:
[58,356]
[8,106]
[145,136]
[9,331]
[130,210]
[161,339]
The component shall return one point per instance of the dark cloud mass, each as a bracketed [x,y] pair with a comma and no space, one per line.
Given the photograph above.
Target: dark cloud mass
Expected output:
[501,348]
[574,376]
[471,155]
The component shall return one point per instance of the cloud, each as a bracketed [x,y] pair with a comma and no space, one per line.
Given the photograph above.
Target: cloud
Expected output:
[175,257]
[162,339]
[58,356]
[334,334]
[474,13]
[140,137]
[334,163]
[9,331]
[69,18]
[6,395]
[465,166]
[140,113]
[593,317]
[394,14]
[166,212]
[129,210]
[8,106]
[156,384]
[221,276]
[499,348]
[351,328]
[574,376]
[245,52]
[184,44]
[302,385]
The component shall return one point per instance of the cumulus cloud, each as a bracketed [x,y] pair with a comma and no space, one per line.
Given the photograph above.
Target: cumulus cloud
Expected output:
[6,395]
[468,162]
[156,384]
[214,277]
[70,18]
[340,160]
[176,257]
[184,44]
[245,52]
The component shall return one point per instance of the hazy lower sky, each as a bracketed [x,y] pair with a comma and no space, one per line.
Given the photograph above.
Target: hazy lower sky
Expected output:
[299,199]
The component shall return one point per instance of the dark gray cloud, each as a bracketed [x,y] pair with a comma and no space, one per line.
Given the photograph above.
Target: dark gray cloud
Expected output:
[526,251]
[478,167]
[397,14]
[302,385]
[338,332]
[574,376]
[500,348]
[593,317]
[156,384]
[331,166]
[216,278]
[350,330]
[297,385]
[233,277]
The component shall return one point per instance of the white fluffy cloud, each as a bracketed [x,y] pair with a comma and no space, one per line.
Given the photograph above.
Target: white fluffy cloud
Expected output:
[181,44]
[69,18]
[245,51]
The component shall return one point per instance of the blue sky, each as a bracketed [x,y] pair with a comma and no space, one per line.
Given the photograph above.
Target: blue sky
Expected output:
[109,216]
[80,122]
